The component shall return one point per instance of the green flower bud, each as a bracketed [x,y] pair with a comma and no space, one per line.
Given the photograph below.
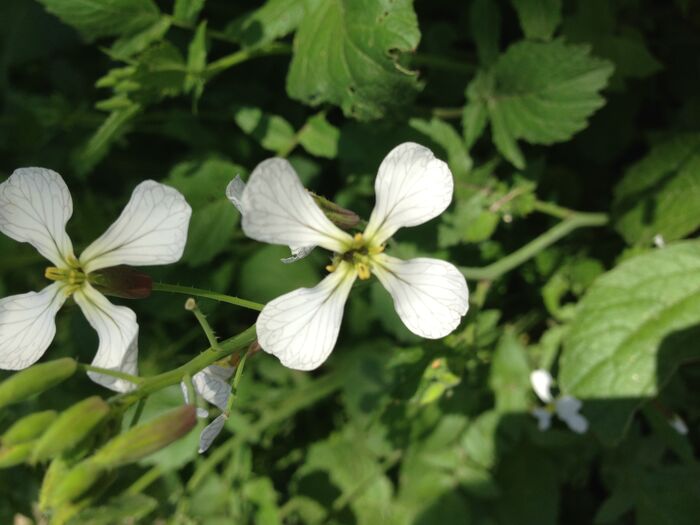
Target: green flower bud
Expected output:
[341,217]
[15,454]
[58,468]
[71,427]
[78,480]
[28,428]
[35,380]
[147,438]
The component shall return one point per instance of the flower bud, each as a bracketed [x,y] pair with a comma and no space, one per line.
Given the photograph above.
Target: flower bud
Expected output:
[35,380]
[78,479]
[71,427]
[58,468]
[147,438]
[28,428]
[122,281]
[15,454]
[341,217]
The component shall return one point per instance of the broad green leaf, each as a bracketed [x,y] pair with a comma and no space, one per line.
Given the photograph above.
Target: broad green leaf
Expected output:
[538,18]
[510,375]
[539,92]
[448,139]
[470,221]
[187,11]
[635,325]
[132,44]
[275,19]
[98,18]
[660,195]
[485,25]
[347,52]
[319,137]
[272,132]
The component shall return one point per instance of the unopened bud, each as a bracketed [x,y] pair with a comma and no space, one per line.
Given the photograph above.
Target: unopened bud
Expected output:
[78,480]
[58,468]
[147,438]
[35,380]
[341,217]
[71,427]
[28,428]
[15,454]
[122,281]
[190,304]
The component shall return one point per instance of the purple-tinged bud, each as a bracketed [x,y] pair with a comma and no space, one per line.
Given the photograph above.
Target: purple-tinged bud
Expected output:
[35,379]
[341,217]
[122,281]
[28,428]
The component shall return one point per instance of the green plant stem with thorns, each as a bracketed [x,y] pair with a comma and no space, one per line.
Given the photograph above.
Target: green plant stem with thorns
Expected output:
[207,294]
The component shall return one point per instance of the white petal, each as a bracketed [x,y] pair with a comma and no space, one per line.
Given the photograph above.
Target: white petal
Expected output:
[201,412]
[27,325]
[118,333]
[430,295]
[543,416]
[234,193]
[678,425]
[541,382]
[151,230]
[210,432]
[35,206]
[279,210]
[567,409]
[212,383]
[300,328]
[412,187]
[298,253]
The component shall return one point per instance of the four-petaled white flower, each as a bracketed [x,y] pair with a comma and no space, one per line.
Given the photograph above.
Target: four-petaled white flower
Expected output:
[212,384]
[35,206]
[430,295]
[565,407]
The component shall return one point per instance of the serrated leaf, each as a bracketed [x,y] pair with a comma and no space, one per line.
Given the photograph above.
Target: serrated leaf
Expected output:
[633,328]
[272,132]
[275,19]
[538,18]
[131,44]
[539,92]
[98,18]
[187,11]
[347,52]
[660,195]
[319,137]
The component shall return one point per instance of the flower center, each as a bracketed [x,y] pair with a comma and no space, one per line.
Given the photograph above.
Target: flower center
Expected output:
[73,277]
[360,254]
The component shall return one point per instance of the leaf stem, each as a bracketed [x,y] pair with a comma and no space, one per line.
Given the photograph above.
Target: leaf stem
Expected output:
[192,306]
[233,59]
[207,294]
[112,373]
[572,221]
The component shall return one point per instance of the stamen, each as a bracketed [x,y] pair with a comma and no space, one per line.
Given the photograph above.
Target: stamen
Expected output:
[54,274]
[331,268]
[363,271]
[376,249]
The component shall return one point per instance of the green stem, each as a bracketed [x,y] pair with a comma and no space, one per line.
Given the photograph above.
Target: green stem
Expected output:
[242,55]
[574,221]
[191,305]
[138,412]
[554,210]
[207,294]
[448,113]
[138,486]
[112,373]
[443,63]
[234,383]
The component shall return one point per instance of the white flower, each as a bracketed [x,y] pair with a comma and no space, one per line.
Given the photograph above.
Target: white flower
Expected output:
[212,384]
[35,206]
[430,295]
[565,407]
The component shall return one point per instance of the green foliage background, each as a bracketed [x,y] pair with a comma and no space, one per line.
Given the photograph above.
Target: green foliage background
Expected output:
[571,128]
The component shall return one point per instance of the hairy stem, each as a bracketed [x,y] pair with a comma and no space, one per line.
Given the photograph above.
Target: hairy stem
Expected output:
[111,373]
[207,294]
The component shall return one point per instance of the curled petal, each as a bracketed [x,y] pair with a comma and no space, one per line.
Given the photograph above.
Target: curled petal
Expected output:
[298,253]
[412,187]
[201,412]
[278,210]
[430,295]
[541,382]
[212,384]
[35,206]
[210,433]
[567,408]
[300,328]
[544,418]
[118,332]
[27,325]
[234,193]
[151,230]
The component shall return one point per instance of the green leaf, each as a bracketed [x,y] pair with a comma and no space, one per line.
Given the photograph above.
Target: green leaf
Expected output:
[196,62]
[446,137]
[634,326]
[124,508]
[347,52]
[510,375]
[539,92]
[187,11]
[319,137]
[272,132]
[134,43]
[485,24]
[538,18]
[661,193]
[275,19]
[98,18]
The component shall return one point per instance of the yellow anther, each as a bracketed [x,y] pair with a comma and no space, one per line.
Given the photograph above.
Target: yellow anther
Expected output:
[54,274]
[358,237]
[71,277]
[363,271]
[374,250]
[331,268]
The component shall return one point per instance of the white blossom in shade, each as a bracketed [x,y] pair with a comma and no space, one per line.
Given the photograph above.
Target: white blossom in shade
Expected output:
[213,385]
[567,408]
[430,295]
[678,425]
[35,206]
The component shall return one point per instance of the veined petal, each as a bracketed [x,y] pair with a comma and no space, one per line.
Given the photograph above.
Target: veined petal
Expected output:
[118,332]
[541,382]
[201,412]
[412,187]
[210,433]
[298,254]
[35,206]
[543,416]
[278,210]
[151,230]
[212,384]
[234,193]
[27,325]
[430,295]
[567,408]
[300,328]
